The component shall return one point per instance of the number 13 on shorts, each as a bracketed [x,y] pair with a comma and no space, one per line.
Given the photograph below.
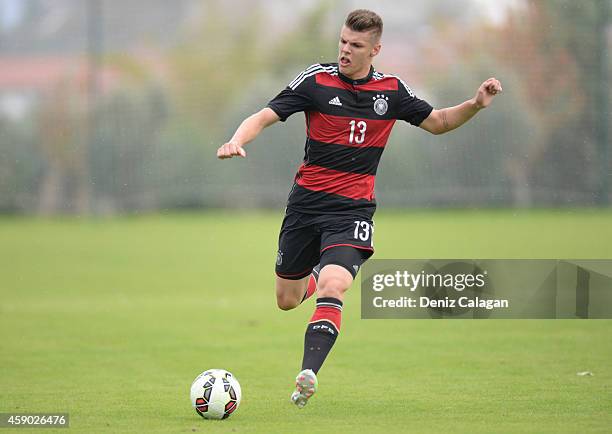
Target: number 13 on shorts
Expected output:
[364,231]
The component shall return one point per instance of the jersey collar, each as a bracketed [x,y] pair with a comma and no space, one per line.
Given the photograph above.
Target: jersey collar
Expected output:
[357,82]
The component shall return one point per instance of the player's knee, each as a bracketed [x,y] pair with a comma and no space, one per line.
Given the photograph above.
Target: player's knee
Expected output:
[332,287]
[286,301]
[289,293]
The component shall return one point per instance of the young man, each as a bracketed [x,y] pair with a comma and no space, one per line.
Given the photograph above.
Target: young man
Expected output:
[326,234]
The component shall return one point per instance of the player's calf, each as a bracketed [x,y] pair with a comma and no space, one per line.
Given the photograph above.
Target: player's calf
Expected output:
[324,325]
[334,281]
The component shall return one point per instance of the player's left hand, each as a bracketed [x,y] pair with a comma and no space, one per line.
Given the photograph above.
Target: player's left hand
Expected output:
[487,91]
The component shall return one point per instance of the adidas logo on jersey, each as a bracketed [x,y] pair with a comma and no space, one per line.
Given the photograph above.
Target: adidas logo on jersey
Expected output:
[335,101]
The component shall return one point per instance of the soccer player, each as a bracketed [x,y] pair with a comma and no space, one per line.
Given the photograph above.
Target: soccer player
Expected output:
[326,234]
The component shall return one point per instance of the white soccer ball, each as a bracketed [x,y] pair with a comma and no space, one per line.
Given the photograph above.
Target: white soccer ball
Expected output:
[215,394]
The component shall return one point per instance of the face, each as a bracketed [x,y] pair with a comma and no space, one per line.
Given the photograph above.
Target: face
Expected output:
[356,51]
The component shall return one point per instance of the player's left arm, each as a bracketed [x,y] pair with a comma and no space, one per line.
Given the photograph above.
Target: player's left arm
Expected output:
[447,119]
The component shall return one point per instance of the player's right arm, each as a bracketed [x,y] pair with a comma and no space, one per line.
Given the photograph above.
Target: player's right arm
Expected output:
[294,98]
[248,130]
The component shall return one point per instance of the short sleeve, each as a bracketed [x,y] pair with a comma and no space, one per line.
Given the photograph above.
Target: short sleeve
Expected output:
[296,97]
[412,109]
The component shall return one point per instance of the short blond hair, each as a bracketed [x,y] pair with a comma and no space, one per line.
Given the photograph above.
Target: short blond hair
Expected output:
[363,20]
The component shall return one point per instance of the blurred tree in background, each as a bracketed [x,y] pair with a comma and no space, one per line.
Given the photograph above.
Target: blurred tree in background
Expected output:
[62,129]
[555,51]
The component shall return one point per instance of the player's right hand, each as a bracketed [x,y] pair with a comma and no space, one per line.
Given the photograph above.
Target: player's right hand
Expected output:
[229,150]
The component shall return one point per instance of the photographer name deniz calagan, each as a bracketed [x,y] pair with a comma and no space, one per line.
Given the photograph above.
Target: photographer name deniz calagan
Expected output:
[446,302]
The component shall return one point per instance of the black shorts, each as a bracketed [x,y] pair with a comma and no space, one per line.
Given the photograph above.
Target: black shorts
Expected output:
[306,240]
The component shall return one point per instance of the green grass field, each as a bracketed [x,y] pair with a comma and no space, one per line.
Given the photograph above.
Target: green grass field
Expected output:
[110,320]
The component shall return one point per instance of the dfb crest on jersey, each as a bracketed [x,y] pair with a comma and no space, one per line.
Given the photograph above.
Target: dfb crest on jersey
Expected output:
[380,104]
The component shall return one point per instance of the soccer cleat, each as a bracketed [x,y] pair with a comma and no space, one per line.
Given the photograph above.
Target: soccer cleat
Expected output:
[305,386]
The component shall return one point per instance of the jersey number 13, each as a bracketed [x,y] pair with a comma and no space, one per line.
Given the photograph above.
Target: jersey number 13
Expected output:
[361,127]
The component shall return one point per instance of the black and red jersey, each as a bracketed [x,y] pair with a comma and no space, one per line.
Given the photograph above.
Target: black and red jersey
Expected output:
[348,123]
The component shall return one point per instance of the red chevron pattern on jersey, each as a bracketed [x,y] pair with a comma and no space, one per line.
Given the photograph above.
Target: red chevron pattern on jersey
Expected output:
[386,83]
[347,184]
[343,130]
